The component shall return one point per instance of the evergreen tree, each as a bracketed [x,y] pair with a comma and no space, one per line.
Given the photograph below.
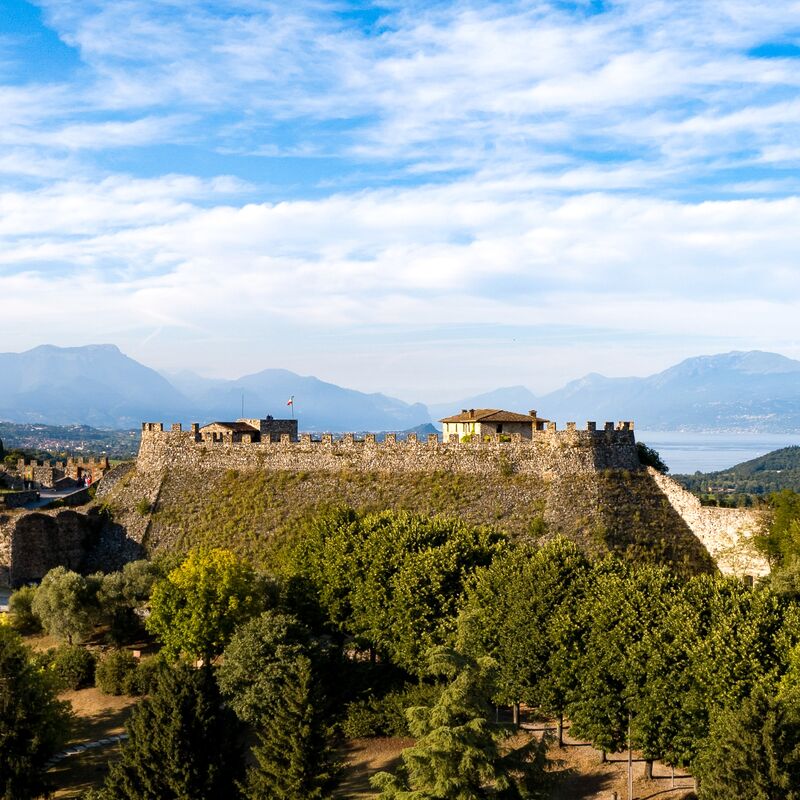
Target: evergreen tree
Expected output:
[33,723]
[294,755]
[753,753]
[183,745]
[459,755]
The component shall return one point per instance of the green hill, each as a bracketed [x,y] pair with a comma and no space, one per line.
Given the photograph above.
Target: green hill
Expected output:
[760,476]
[256,512]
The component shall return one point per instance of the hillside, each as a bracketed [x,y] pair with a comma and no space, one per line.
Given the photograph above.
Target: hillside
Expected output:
[257,512]
[772,472]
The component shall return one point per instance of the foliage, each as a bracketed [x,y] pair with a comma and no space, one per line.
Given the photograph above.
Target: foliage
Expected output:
[121,596]
[393,579]
[649,457]
[458,753]
[182,745]
[753,751]
[386,715]
[20,607]
[759,477]
[114,671]
[33,723]
[64,603]
[198,606]
[73,667]
[616,616]
[294,755]
[256,658]
[522,590]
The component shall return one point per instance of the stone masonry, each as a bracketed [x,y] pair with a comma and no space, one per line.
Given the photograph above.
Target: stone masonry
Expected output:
[725,532]
[549,453]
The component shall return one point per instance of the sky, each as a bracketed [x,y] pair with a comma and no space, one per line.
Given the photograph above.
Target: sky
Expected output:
[429,199]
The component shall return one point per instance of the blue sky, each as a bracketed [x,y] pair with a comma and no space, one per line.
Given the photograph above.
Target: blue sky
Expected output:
[428,199]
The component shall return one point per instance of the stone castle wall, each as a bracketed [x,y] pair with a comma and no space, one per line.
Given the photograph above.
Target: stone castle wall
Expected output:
[549,453]
[725,532]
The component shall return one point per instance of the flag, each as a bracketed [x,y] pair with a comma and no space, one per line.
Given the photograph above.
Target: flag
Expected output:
[290,401]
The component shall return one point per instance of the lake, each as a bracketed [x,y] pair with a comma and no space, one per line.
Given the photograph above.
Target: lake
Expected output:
[685,452]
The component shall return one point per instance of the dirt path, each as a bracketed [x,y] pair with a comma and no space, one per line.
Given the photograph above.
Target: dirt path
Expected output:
[581,775]
[576,768]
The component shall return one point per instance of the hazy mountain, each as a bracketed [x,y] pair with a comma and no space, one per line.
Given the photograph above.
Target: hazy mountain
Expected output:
[510,398]
[93,385]
[752,391]
[97,385]
[318,405]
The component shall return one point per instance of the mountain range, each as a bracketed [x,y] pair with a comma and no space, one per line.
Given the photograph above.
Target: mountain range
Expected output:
[100,386]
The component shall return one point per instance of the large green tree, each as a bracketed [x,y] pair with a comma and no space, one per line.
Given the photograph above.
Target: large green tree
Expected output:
[196,609]
[183,743]
[753,751]
[65,602]
[512,614]
[295,757]
[259,655]
[459,754]
[33,722]
[394,579]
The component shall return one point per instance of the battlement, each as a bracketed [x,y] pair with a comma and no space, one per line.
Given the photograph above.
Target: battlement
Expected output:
[547,451]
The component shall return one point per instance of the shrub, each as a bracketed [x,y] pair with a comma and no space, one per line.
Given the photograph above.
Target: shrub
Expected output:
[73,666]
[114,670]
[144,507]
[386,716]
[143,679]
[20,608]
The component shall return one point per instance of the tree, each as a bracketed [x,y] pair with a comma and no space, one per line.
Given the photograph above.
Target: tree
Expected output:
[65,603]
[753,751]
[511,613]
[33,722]
[618,613]
[20,607]
[649,457]
[393,578]
[183,745]
[198,606]
[256,659]
[121,595]
[294,755]
[458,753]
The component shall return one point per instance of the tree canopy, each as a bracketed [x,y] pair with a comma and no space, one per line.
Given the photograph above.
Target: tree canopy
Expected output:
[196,609]
[33,722]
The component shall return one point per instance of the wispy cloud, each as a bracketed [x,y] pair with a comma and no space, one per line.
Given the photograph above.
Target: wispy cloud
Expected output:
[256,166]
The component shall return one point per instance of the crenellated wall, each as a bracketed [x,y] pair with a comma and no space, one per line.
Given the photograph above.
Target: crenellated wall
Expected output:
[549,453]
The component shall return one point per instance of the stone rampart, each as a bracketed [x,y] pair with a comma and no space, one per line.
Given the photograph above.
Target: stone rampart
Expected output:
[549,453]
[725,532]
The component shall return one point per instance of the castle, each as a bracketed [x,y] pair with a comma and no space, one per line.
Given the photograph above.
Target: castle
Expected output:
[274,445]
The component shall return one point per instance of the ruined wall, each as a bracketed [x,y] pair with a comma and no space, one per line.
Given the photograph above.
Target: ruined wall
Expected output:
[17,499]
[40,542]
[550,453]
[725,532]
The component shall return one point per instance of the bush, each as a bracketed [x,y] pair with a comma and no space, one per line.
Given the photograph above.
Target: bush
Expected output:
[20,608]
[143,679]
[114,671]
[386,716]
[73,666]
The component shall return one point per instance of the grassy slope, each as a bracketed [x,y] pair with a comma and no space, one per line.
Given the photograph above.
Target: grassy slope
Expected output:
[256,512]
